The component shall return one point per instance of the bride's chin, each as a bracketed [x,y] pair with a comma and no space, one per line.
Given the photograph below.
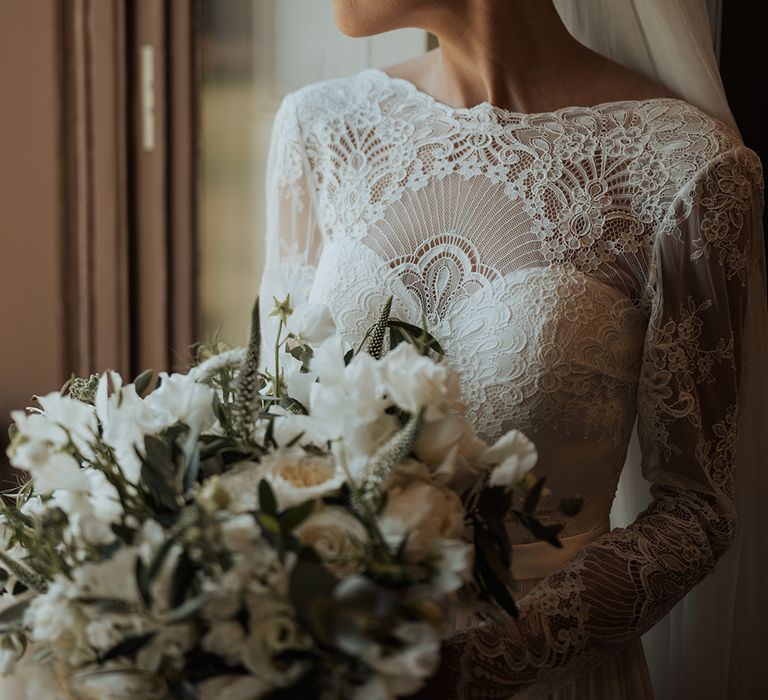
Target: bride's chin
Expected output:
[361,18]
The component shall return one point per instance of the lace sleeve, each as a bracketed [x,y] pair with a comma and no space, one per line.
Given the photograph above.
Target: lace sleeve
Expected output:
[621,584]
[292,230]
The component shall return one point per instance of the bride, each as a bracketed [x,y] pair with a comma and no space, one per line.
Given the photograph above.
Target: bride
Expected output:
[586,245]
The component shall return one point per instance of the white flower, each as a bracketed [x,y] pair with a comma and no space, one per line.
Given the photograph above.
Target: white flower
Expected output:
[455,565]
[51,470]
[168,647]
[54,620]
[336,536]
[272,629]
[413,380]
[311,322]
[403,672]
[126,419]
[296,477]
[511,457]
[234,688]
[119,684]
[226,639]
[76,417]
[426,512]
[92,510]
[240,533]
[451,449]
[180,399]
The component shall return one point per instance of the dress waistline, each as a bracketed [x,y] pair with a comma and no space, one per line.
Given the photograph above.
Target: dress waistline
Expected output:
[540,559]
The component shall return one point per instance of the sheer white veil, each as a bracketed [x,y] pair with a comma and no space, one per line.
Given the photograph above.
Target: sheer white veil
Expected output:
[711,645]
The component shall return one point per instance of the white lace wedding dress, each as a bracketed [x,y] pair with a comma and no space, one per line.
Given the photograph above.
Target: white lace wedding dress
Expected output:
[582,268]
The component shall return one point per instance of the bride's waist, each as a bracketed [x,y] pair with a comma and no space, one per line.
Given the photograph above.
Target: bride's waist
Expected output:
[535,560]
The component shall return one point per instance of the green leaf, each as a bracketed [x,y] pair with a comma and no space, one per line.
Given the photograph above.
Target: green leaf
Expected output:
[12,618]
[309,581]
[186,609]
[141,572]
[267,500]
[193,470]
[157,561]
[109,606]
[291,518]
[269,522]
[547,533]
[412,334]
[142,382]
[182,579]
[128,647]
[493,578]
[158,472]
[494,503]
[532,499]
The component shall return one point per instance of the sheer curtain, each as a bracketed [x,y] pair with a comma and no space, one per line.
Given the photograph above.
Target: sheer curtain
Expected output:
[710,645]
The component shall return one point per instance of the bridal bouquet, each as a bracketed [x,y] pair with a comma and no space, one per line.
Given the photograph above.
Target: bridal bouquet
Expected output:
[251,531]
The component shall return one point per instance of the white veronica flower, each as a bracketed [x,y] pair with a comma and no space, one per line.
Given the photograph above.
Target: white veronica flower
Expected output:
[413,380]
[511,457]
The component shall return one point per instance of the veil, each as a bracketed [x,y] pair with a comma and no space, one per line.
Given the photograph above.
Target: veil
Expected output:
[711,644]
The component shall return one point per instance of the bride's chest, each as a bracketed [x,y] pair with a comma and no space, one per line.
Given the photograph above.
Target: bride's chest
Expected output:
[536,345]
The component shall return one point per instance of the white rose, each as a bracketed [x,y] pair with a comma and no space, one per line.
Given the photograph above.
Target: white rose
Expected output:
[273,629]
[296,476]
[511,457]
[412,380]
[426,512]
[336,535]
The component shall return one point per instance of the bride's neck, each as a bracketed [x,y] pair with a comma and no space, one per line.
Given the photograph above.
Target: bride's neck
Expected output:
[507,52]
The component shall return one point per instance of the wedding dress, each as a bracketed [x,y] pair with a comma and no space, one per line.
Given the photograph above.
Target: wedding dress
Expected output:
[582,268]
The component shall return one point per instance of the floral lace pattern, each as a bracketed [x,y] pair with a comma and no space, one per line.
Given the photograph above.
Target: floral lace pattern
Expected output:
[580,267]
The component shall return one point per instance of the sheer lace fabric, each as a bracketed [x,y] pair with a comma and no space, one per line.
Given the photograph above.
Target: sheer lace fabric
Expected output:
[582,268]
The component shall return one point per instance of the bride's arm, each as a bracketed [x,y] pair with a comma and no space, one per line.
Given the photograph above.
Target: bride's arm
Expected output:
[688,398]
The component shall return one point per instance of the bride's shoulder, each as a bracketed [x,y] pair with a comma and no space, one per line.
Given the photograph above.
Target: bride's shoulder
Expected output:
[332,99]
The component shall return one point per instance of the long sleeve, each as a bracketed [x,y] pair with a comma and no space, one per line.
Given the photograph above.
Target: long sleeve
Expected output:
[688,401]
[292,231]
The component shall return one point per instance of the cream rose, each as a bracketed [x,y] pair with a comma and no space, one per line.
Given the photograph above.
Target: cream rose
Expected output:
[336,535]
[425,511]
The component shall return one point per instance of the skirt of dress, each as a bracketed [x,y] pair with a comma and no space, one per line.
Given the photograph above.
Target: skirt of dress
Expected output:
[624,676]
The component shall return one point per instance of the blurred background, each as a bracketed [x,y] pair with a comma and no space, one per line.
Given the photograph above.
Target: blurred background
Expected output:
[133,140]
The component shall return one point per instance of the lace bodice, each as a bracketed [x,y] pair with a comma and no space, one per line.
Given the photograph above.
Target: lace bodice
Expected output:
[582,268]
